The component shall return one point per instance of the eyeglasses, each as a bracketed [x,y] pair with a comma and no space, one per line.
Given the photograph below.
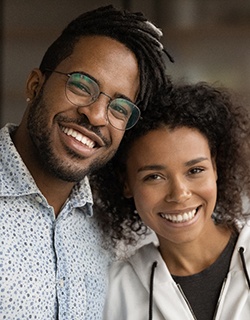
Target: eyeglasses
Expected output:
[81,90]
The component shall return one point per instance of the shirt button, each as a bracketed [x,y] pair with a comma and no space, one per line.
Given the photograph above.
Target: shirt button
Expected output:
[39,199]
[61,283]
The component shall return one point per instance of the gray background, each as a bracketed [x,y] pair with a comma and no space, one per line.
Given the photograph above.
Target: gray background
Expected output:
[209,39]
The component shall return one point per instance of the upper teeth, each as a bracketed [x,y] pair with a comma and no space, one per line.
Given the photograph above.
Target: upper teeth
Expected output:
[79,137]
[181,217]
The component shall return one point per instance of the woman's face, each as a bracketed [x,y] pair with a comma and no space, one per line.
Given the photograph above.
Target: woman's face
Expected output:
[172,178]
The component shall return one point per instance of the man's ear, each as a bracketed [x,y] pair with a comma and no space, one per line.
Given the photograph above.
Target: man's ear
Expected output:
[34,83]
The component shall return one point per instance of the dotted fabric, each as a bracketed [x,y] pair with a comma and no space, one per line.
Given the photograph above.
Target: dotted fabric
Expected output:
[49,268]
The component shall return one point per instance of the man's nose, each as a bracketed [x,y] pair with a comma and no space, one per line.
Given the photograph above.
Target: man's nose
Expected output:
[96,112]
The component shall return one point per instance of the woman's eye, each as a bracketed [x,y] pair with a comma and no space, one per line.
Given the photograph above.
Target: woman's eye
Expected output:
[152,177]
[196,170]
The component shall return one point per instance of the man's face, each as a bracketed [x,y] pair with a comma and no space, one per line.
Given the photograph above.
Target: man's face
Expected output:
[71,141]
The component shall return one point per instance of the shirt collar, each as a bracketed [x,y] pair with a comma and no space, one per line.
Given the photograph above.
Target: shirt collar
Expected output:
[16,179]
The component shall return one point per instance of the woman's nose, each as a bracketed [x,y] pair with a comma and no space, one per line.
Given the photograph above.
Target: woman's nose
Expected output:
[178,192]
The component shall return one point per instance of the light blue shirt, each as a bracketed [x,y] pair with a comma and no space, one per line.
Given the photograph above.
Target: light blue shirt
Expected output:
[49,268]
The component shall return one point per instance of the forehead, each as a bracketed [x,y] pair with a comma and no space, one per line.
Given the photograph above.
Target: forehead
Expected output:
[107,60]
[164,144]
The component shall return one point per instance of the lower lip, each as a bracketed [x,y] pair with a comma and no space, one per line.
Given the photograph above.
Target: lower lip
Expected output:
[183,224]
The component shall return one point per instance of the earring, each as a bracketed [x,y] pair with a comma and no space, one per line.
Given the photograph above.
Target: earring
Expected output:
[135,212]
[28,100]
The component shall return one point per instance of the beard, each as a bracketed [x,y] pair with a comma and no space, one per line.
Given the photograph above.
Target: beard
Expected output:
[49,159]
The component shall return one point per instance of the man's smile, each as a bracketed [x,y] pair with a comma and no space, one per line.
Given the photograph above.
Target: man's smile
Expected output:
[79,137]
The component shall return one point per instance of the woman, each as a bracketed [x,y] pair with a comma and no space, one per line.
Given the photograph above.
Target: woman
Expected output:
[182,172]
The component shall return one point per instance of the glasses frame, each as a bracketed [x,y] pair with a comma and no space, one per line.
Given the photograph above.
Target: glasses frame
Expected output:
[94,99]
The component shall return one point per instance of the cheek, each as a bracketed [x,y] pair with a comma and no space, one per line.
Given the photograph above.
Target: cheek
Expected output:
[146,200]
[115,136]
[209,193]
[56,101]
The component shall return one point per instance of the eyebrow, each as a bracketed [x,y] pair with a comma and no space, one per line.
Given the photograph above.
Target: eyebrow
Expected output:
[162,167]
[151,167]
[85,74]
[195,161]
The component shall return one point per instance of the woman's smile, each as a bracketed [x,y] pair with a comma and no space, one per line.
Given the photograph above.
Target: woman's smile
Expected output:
[172,179]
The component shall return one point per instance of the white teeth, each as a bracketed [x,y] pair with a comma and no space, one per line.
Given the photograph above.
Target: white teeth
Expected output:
[179,218]
[79,137]
[186,216]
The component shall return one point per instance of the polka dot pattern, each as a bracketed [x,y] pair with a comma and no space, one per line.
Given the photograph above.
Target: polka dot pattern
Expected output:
[49,268]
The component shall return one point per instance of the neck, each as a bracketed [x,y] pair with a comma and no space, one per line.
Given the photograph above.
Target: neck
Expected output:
[55,190]
[194,256]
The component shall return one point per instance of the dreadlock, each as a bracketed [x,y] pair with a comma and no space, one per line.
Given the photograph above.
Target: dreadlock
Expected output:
[131,29]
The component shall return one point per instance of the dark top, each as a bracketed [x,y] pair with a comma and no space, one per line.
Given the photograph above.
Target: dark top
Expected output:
[202,290]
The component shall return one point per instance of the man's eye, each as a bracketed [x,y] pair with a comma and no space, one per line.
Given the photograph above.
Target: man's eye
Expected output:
[120,109]
[79,88]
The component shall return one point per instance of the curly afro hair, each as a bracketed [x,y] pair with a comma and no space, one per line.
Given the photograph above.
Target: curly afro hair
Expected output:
[211,111]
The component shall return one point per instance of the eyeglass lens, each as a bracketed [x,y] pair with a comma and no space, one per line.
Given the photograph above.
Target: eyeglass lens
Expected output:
[81,90]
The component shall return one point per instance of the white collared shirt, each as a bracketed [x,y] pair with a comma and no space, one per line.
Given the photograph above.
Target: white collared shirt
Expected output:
[49,268]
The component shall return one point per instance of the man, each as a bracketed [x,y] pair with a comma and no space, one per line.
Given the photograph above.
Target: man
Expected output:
[90,87]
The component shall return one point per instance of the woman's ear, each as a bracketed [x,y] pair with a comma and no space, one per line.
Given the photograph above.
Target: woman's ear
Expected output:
[126,190]
[215,168]
[122,178]
[34,83]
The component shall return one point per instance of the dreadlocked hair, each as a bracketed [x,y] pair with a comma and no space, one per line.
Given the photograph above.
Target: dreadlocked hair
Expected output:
[133,30]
